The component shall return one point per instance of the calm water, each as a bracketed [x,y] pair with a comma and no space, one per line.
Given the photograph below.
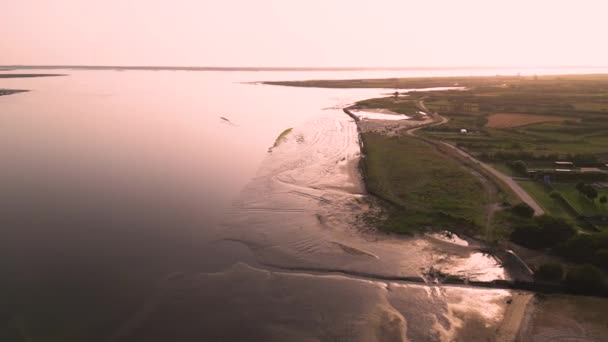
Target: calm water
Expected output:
[133,211]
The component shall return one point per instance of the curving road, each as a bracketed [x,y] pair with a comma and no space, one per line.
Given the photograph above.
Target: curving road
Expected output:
[516,188]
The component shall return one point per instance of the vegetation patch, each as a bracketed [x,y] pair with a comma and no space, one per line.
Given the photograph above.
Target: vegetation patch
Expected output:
[543,232]
[545,196]
[551,271]
[11,91]
[423,187]
[393,104]
[282,137]
[585,279]
[581,201]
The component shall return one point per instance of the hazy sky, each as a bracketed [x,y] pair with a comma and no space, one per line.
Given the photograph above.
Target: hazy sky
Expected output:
[304,33]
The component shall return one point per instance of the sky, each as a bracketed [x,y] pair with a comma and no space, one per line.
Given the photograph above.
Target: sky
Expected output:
[305,33]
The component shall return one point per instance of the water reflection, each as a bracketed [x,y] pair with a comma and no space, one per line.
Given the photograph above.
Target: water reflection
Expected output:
[114,185]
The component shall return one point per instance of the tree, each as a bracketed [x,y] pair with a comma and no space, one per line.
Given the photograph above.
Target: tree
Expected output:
[556,195]
[519,166]
[603,199]
[587,190]
[556,229]
[586,248]
[590,192]
[580,186]
[585,160]
[550,271]
[585,279]
[600,258]
[543,231]
[523,210]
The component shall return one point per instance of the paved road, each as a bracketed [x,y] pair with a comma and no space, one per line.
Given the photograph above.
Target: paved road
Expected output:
[518,190]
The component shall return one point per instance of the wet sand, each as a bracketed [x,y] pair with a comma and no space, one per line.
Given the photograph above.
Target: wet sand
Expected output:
[514,317]
[318,271]
[566,318]
[303,210]
[246,303]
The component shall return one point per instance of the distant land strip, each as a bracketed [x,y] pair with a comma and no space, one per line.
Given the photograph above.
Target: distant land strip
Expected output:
[11,91]
[28,75]
[211,68]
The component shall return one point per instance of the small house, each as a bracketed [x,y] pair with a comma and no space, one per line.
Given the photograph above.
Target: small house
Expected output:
[463,131]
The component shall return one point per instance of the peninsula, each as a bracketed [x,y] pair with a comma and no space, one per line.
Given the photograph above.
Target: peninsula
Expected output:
[520,162]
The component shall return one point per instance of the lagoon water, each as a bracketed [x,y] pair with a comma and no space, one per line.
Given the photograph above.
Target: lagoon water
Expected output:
[146,205]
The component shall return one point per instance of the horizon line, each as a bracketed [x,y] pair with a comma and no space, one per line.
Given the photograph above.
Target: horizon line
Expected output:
[282,68]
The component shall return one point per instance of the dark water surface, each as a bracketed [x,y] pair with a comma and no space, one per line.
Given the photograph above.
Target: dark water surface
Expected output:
[113,181]
[141,205]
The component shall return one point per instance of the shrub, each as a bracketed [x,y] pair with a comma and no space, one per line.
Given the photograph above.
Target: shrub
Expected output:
[587,190]
[585,160]
[519,167]
[585,279]
[600,258]
[550,271]
[523,210]
[587,248]
[556,195]
[543,231]
[579,248]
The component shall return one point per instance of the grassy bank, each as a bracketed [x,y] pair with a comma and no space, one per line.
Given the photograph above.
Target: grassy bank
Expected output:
[543,195]
[424,188]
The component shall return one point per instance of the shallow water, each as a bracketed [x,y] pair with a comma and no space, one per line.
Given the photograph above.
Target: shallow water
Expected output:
[367,115]
[149,201]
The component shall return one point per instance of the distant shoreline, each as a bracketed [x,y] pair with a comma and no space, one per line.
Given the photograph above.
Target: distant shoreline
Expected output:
[4,92]
[29,75]
[221,68]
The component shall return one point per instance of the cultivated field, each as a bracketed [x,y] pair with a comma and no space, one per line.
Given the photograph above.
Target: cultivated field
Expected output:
[507,120]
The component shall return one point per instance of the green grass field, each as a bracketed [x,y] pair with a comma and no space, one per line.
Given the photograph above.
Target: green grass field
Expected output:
[581,203]
[427,188]
[542,194]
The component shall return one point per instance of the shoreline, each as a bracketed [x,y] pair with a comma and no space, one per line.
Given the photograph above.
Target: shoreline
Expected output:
[517,312]
[522,275]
